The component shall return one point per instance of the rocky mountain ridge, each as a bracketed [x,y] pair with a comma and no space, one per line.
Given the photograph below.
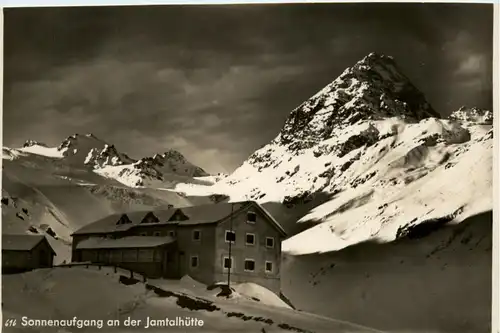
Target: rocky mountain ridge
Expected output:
[88,151]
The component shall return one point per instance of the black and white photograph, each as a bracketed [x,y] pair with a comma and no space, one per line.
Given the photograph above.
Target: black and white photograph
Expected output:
[260,168]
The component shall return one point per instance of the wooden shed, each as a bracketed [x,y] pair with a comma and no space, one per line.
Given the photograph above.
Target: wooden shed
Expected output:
[25,252]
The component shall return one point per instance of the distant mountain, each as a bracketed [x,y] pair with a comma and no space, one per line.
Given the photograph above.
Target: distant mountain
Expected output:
[367,157]
[104,159]
[55,190]
[473,115]
[30,143]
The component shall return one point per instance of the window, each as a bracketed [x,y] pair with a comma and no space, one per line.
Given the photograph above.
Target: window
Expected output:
[230,236]
[249,265]
[251,217]
[250,239]
[143,233]
[269,267]
[227,263]
[157,233]
[196,235]
[171,233]
[269,242]
[194,261]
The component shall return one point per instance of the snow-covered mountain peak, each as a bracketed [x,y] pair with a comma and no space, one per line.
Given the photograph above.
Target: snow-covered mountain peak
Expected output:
[91,151]
[88,153]
[373,89]
[473,115]
[171,161]
[75,140]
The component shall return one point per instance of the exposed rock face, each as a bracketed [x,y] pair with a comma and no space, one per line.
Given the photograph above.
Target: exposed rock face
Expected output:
[173,161]
[373,89]
[105,157]
[30,143]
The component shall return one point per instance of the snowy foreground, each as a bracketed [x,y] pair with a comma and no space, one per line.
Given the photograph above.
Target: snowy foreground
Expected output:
[93,295]
[439,282]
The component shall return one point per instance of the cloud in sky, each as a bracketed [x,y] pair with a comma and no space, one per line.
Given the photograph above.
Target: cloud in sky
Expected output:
[185,109]
[218,82]
[474,64]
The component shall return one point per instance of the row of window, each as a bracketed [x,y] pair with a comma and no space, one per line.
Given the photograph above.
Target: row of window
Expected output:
[122,255]
[250,239]
[227,263]
[230,236]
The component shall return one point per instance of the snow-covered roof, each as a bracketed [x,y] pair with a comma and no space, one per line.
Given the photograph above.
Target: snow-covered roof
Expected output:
[20,242]
[193,215]
[125,242]
[108,223]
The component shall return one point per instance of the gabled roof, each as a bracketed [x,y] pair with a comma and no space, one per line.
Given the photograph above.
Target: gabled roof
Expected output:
[22,242]
[208,214]
[109,223]
[125,242]
[192,215]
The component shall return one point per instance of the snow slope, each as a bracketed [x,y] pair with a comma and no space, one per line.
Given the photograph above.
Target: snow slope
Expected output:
[436,280]
[418,192]
[44,151]
[263,295]
[242,292]
[51,294]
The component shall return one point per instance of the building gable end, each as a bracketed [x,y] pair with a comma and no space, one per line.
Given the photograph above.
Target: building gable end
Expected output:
[268,217]
[47,244]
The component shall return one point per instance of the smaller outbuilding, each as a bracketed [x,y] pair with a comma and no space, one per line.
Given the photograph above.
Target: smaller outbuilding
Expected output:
[25,252]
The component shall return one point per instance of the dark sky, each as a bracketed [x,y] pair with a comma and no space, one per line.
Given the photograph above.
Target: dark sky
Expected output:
[217,82]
